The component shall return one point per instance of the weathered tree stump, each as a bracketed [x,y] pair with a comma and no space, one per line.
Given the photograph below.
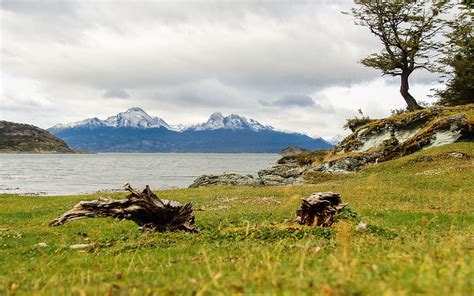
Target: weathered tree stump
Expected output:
[144,208]
[319,208]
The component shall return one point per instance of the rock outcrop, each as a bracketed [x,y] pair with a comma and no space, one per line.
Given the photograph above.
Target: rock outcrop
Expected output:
[399,135]
[280,174]
[225,179]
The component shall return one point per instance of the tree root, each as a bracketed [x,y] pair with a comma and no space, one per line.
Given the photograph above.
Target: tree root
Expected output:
[145,208]
[319,209]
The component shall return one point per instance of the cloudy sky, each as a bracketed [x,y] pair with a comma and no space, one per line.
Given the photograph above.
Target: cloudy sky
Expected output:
[293,65]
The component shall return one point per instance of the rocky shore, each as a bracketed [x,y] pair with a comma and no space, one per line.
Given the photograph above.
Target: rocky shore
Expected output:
[280,174]
[377,141]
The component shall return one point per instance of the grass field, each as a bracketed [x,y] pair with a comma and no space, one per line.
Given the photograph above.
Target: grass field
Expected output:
[419,239]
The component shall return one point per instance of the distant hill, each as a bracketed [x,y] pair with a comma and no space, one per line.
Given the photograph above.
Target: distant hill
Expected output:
[17,137]
[292,150]
[136,131]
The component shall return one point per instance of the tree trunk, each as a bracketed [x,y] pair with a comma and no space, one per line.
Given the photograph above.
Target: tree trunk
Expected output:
[144,208]
[404,87]
[319,209]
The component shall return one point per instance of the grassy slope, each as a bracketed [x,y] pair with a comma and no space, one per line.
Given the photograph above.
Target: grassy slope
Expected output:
[18,137]
[245,246]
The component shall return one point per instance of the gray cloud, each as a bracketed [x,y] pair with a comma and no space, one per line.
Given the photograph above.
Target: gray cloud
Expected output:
[183,60]
[41,8]
[116,93]
[246,45]
[291,101]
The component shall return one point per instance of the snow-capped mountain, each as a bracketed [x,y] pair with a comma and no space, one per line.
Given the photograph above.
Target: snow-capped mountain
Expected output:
[90,122]
[134,117]
[335,140]
[233,122]
[137,118]
[136,131]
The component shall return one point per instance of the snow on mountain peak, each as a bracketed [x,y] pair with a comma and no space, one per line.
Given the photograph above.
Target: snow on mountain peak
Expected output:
[233,122]
[135,117]
[335,140]
[89,122]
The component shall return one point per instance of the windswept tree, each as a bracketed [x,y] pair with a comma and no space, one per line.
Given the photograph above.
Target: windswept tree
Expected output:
[458,59]
[406,30]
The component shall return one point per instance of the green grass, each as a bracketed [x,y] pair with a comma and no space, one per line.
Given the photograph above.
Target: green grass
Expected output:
[419,240]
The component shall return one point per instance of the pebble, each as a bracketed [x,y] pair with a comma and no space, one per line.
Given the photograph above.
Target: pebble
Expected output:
[41,245]
[79,246]
[361,226]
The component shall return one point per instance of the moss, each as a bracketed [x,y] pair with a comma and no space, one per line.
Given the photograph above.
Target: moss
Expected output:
[305,158]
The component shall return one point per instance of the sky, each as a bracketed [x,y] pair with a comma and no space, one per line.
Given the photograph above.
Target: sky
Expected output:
[293,65]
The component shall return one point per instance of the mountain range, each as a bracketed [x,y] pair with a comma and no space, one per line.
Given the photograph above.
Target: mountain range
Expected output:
[136,131]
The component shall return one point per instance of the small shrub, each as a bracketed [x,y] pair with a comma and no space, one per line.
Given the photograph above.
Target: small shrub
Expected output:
[354,123]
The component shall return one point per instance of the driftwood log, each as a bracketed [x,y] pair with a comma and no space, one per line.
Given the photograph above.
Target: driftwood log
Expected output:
[319,209]
[144,208]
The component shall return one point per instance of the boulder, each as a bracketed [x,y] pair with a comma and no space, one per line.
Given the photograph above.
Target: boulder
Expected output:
[225,179]
[283,170]
[275,180]
[344,164]
[280,174]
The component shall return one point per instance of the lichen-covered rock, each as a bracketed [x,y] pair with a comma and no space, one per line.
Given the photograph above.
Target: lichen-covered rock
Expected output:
[275,180]
[283,170]
[225,179]
[344,164]
[399,135]
[280,174]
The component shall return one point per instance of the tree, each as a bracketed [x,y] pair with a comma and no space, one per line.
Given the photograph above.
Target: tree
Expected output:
[406,30]
[459,59]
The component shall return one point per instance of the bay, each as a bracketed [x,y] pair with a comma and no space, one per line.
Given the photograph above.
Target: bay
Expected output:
[67,174]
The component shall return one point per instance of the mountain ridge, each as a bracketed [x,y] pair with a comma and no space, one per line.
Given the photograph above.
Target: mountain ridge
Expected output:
[136,131]
[136,117]
[26,138]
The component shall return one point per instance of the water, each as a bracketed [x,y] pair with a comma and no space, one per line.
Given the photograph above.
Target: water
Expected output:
[64,174]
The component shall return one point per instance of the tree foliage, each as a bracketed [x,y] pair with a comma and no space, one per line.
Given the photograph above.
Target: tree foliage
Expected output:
[406,30]
[459,59]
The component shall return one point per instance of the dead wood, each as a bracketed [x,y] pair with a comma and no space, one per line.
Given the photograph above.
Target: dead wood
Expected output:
[144,208]
[319,209]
